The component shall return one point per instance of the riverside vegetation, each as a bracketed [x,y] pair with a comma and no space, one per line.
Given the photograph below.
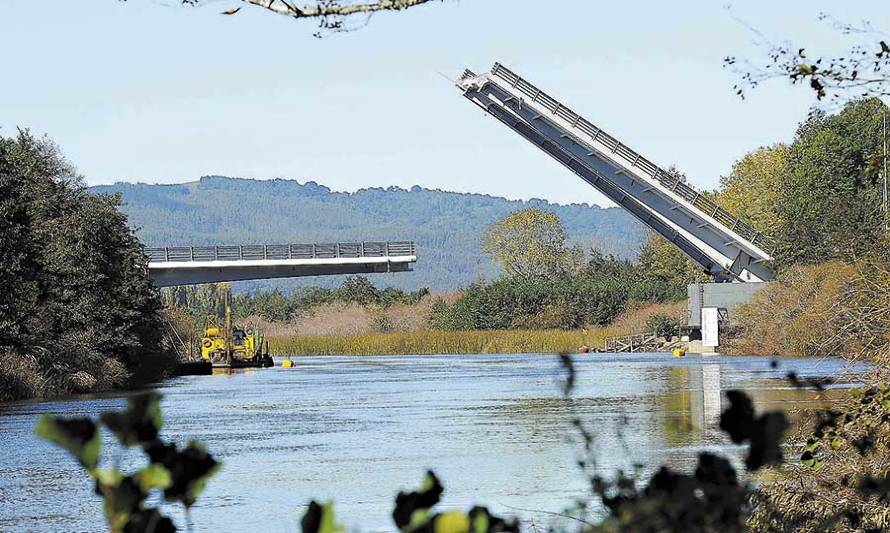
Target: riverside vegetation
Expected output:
[77,312]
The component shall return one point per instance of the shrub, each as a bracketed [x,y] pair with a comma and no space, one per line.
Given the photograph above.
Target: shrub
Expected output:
[663,325]
[798,314]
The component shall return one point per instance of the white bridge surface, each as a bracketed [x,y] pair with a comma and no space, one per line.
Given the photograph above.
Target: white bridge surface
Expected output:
[191,265]
[722,244]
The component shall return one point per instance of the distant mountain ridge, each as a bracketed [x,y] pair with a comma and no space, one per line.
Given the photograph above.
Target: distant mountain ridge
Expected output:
[447,226]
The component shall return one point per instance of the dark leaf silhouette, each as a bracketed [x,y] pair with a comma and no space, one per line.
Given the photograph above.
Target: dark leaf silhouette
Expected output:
[764,433]
[409,502]
[139,423]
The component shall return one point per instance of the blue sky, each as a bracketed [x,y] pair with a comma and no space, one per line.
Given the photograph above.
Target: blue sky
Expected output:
[150,91]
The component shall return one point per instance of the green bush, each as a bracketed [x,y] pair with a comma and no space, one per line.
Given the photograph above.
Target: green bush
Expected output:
[663,325]
[594,295]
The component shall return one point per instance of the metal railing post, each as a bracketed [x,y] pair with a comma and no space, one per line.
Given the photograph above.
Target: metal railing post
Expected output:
[191,253]
[361,249]
[166,254]
[241,252]
[265,252]
[314,251]
[338,249]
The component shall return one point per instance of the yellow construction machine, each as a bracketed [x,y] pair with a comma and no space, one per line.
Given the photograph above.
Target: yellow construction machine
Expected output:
[230,346]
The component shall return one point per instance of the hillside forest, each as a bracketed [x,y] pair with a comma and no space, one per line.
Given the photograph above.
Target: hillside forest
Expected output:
[447,226]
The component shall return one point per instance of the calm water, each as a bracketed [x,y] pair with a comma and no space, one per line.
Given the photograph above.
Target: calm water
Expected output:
[357,429]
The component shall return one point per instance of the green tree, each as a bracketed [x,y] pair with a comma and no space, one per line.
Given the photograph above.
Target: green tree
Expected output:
[531,244]
[78,311]
[830,199]
[753,188]
[358,289]
[663,263]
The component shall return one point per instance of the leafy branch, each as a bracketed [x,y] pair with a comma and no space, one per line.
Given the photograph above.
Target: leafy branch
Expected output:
[180,473]
[333,15]
[862,71]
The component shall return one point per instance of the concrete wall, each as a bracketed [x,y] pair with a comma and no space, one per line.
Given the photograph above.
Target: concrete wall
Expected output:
[727,295]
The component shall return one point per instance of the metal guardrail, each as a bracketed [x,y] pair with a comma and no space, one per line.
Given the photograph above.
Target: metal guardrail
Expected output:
[634,159]
[254,252]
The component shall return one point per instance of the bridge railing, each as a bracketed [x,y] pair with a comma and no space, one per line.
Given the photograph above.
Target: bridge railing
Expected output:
[633,159]
[255,252]
[640,342]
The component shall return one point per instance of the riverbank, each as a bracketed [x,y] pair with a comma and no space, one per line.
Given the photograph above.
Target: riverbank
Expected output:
[302,337]
[440,342]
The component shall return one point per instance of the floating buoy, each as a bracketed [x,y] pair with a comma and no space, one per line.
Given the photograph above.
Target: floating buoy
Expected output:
[678,352]
[287,363]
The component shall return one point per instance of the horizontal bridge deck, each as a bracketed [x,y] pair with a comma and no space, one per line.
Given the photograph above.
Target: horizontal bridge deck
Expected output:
[188,265]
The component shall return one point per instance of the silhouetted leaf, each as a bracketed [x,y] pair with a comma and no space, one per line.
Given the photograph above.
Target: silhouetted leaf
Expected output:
[764,433]
[766,440]
[77,435]
[189,471]
[409,503]
[320,519]
[149,521]
[738,419]
[139,423]
[482,521]
[876,486]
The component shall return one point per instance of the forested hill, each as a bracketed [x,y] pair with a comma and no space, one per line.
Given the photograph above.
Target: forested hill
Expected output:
[447,226]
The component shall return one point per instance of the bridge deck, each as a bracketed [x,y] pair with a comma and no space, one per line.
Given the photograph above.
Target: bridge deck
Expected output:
[723,244]
[189,265]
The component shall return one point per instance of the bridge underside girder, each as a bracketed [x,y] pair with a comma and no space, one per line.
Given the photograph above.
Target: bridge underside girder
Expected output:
[172,274]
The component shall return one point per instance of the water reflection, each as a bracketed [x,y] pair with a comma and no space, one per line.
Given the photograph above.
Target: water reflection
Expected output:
[693,397]
[495,428]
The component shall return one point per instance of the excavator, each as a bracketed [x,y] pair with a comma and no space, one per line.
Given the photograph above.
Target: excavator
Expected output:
[231,346]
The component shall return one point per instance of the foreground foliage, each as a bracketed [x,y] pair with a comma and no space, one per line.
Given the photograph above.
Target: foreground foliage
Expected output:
[178,473]
[77,310]
[842,481]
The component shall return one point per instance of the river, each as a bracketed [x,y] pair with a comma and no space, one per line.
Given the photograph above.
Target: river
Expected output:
[495,429]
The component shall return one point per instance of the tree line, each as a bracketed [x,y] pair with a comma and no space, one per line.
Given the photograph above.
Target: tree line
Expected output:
[77,310]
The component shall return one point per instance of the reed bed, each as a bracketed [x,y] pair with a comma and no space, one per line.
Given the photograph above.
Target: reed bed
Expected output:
[439,342]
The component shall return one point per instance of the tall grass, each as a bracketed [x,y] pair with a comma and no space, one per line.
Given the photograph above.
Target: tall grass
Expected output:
[439,342]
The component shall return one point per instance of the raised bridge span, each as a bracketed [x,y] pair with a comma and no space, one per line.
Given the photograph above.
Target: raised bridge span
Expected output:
[190,265]
[722,244]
